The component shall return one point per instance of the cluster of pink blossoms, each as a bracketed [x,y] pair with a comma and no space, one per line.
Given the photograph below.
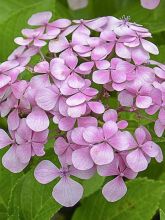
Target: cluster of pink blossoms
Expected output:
[81,56]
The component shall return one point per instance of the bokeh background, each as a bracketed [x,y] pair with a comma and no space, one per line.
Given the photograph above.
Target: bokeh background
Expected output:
[21,197]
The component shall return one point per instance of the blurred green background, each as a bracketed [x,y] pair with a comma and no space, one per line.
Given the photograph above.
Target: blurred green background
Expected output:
[21,197]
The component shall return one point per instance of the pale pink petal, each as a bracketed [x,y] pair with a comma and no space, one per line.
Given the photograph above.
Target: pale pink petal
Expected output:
[76,99]
[143,101]
[11,162]
[46,99]
[4,139]
[13,120]
[37,120]
[86,121]
[38,149]
[150,4]
[140,135]
[120,141]
[137,161]
[82,174]
[102,154]
[77,136]
[93,134]
[110,169]
[123,51]
[67,192]
[66,123]
[24,152]
[109,128]
[151,149]
[110,115]
[40,136]
[4,80]
[75,81]
[96,107]
[101,76]
[114,189]
[139,55]
[42,67]
[81,159]
[77,4]
[41,18]
[77,111]
[159,128]
[150,47]
[45,172]
[60,145]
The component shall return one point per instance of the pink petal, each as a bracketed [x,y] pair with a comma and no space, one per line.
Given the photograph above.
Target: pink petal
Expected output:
[110,115]
[140,135]
[96,107]
[19,88]
[24,152]
[87,121]
[77,136]
[101,76]
[4,80]
[4,139]
[109,128]
[46,99]
[93,134]
[119,141]
[60,145]
[76,99]
[151,149]
[77,4]
[110,169]
[67,192]
[41,18]
[45,172]
[123,51]
[13,120]
[139,55]
[66,123]
[159,128]
[152,4]
[42,67]
[40,136]
[143,101]
[150,47]
[75,81]
[77,111]
[102,154]
[114,189]
[38,149]
[118,76]
[137,161]
[125,98]
[81,159]
[82,174]
[37,120]
[11,162]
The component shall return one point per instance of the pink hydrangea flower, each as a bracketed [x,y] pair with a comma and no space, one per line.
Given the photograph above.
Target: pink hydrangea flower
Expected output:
[67,191]
[116,188]
[84,65]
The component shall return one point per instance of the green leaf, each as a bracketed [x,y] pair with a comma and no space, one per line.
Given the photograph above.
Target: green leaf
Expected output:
[31,200]
[162,215]
[141,202]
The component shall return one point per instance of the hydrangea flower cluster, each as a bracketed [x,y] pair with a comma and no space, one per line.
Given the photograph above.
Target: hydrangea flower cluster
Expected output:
[80,64]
